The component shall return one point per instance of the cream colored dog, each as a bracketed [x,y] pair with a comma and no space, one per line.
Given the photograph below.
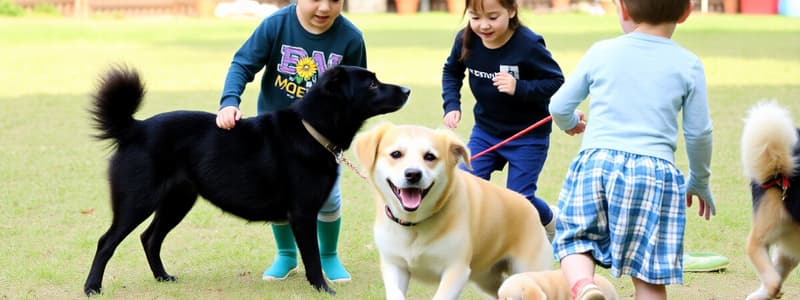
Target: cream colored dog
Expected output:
[439,224]
[547,285]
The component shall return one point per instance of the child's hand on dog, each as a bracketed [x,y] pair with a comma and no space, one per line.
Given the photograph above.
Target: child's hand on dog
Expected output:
[227,117]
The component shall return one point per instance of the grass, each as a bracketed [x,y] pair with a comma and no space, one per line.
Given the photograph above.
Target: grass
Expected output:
[54,195]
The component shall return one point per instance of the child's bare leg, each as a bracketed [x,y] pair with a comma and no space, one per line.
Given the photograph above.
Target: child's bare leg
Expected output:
[579,271]
[649,291]
[577,266]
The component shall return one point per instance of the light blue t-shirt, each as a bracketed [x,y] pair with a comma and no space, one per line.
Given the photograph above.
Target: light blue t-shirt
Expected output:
[638,85]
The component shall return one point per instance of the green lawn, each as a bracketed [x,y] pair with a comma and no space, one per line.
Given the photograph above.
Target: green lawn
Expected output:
[54,195]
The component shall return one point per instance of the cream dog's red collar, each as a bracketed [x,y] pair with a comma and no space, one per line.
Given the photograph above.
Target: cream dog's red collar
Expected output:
[397,220]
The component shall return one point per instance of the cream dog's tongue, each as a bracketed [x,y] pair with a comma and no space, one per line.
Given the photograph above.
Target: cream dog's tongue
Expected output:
[410,198]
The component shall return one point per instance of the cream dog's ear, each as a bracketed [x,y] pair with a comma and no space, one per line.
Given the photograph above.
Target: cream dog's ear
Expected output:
[366,145]
[458,149]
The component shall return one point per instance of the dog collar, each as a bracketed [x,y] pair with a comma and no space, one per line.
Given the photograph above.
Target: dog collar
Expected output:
[397,220]
[322,140]
[337,151]
[777,181]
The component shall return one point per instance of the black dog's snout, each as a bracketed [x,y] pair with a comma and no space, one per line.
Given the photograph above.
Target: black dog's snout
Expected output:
[406,91]
[413,175]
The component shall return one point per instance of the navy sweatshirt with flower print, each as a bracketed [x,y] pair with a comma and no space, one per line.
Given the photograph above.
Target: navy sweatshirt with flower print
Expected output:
[292,59]
[501,115]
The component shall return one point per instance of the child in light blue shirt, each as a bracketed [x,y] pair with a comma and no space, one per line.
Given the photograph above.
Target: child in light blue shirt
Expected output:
[622,202]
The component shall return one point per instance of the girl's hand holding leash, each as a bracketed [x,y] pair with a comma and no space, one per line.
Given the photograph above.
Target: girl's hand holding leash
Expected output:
[505,83]
[452,118]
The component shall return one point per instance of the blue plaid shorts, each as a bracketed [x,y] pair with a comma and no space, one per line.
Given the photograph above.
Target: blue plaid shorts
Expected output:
[626,210]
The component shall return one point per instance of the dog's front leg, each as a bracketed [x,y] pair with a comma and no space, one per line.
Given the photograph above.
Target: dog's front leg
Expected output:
[758,253]
[395,280]
[305,233]
[784,264]
[452,283]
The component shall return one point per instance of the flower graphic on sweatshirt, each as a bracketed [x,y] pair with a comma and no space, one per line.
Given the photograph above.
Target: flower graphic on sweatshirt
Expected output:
[305,68]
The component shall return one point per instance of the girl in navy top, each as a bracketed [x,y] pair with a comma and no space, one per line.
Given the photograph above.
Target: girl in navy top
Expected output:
[512,76]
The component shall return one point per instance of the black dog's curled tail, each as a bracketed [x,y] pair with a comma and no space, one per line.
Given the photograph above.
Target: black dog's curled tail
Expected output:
[119,93]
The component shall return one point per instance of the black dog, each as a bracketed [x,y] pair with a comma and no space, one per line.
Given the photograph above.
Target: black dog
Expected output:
[274,167]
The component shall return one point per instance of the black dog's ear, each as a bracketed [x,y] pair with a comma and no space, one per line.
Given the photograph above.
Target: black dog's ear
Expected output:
[333,81]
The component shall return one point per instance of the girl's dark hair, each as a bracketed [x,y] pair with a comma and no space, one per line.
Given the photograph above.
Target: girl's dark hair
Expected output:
[656,11]
[477,5]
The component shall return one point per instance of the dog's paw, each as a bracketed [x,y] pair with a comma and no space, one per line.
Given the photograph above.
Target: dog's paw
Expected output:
[327,289]
[91,291]
[167,278]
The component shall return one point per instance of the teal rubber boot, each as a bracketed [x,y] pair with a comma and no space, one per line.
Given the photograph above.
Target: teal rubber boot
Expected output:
[286,262]
[328,235]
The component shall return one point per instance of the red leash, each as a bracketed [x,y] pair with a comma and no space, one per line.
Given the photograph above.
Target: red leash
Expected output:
[516,135]
[513,137]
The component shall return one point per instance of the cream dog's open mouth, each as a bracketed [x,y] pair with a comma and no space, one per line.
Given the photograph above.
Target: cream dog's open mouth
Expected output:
[410,198]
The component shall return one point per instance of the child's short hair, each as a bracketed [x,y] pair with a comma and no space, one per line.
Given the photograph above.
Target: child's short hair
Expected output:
[656,11]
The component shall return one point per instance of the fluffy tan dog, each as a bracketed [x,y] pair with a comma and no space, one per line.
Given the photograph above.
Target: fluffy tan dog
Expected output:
[439,224]
[546,285]
[770,151]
